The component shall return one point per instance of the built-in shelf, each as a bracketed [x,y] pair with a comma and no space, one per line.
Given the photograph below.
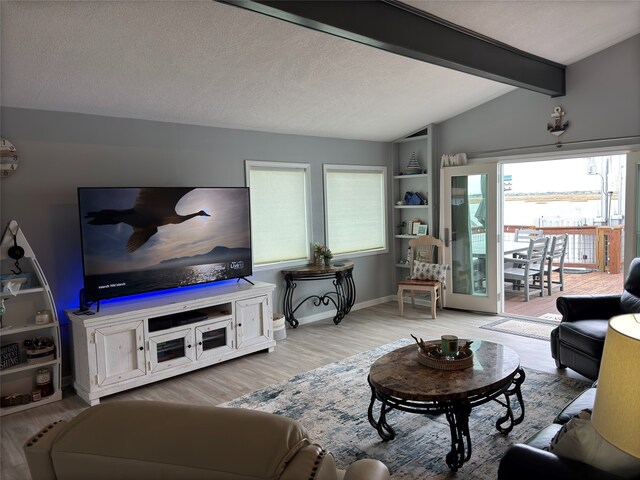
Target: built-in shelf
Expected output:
[417,175]
[404,235]
[27,366]
[26,291]
[402,265]
[10,330]
[411,206]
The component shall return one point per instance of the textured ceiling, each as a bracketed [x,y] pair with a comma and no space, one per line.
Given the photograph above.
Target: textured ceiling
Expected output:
[212,64]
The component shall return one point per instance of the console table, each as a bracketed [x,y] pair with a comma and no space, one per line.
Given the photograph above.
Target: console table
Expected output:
[342,298]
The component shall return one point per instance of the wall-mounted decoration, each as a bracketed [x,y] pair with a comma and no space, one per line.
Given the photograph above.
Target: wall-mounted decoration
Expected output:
[558,127]
[8,158]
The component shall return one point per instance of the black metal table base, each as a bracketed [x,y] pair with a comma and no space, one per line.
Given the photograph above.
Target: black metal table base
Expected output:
[457,413]
[343,297]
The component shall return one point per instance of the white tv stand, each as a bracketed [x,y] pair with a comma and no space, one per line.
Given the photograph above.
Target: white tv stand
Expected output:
[130,343]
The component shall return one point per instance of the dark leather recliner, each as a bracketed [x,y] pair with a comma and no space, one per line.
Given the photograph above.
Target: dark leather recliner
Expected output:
[578,341]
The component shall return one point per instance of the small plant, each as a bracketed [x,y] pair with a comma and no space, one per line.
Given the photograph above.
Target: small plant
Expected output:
[327,254]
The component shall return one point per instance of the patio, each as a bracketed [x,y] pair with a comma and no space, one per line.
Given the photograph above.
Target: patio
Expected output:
[575,283]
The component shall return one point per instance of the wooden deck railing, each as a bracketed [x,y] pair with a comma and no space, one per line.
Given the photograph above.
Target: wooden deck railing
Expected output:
[589,246]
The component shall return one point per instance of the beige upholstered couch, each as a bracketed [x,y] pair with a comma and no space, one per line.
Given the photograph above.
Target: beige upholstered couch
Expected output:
[155,440]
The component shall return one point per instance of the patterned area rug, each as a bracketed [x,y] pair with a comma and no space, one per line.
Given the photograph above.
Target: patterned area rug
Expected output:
[332,401]
[540,329]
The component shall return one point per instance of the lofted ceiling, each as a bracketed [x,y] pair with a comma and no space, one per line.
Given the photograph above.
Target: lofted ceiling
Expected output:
[212,64]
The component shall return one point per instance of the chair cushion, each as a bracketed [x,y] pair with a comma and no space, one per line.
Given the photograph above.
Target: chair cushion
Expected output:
[584,335]
[578,440]
[582,401]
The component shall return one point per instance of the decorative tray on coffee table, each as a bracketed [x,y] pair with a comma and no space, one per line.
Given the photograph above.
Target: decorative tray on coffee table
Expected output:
[430,355]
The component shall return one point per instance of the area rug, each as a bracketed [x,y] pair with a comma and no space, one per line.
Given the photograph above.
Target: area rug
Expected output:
[555,317]
[540,329]
[332,401]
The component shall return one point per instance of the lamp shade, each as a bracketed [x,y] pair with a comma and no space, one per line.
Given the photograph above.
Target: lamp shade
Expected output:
[616,411]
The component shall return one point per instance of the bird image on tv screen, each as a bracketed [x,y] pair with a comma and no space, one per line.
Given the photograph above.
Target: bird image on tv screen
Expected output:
[138,240]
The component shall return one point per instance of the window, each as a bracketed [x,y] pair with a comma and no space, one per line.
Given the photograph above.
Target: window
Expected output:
[355,208]
[280,211]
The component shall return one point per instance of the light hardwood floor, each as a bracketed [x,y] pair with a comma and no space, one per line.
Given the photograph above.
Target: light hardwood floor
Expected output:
[305,348]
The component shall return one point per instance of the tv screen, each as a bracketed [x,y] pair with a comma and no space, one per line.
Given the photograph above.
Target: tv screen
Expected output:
[137,240]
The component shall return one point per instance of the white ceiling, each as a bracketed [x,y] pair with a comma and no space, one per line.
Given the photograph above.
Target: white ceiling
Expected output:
[212,64]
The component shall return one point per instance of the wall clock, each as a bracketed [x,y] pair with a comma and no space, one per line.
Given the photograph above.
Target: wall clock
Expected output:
[8,158]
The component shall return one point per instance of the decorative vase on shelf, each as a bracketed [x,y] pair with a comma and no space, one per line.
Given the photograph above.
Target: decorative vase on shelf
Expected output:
[317,260]
[327,262]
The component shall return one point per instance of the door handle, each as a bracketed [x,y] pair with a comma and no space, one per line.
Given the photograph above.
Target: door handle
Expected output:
[446,237]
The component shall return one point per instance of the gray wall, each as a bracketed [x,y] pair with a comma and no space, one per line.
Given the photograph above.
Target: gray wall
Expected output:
[60,151]
[602,101]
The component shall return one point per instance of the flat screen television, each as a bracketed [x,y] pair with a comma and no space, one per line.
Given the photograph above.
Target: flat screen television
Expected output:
[137,240]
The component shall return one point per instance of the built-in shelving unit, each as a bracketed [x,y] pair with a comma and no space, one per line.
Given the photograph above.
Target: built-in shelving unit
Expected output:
[422,144]
[26,295]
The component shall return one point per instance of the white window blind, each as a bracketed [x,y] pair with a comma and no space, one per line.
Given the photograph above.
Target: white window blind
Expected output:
[355,208]
[280,228]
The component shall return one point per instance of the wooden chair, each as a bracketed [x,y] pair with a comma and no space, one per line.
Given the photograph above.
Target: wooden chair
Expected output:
[526,273]
[427,249]
[557,252]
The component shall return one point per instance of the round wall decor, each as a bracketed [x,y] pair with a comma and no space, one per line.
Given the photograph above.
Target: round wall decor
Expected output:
[8,158]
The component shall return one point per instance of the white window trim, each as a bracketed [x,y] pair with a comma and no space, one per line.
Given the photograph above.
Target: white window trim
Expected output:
[284,166]
[358,168]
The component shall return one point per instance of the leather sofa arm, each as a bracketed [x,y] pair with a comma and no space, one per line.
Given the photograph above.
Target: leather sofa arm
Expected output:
[367,469]
[588,307]
[37,450]
[523,462]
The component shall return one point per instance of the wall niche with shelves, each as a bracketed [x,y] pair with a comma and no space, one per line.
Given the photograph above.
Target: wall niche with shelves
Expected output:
[413,171]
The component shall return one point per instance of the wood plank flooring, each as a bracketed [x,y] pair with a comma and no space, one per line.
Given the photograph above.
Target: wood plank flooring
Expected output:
[307,347]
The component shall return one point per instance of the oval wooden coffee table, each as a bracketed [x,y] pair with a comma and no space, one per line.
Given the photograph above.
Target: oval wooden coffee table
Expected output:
[399,382]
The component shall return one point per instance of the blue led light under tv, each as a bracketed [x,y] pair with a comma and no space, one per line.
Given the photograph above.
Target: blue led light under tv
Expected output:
[138,240]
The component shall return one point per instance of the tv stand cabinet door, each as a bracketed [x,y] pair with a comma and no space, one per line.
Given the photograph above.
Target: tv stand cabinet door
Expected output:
[253,321]
[119,352]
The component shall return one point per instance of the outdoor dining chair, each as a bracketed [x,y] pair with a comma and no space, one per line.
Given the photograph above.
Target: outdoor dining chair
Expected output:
[525,272]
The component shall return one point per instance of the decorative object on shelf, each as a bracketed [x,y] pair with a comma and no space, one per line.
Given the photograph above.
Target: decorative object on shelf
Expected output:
[8,158]
[9,356]
[413,166]
[415,223]
[43,382]
[453,160]
[430,355]
[15,251]
[423,229]
[43,317]
[40,349]
[414,198]
[558,128]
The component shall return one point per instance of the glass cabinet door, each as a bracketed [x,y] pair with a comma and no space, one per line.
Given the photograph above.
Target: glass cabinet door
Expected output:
[214,339]
[171,349]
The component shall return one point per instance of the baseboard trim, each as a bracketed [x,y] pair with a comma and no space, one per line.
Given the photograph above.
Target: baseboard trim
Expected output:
[329,314]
